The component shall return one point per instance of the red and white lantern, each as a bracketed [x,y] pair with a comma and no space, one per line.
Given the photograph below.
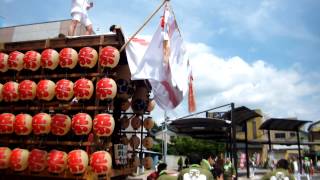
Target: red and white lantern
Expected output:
[148,123]
[88,57]
[68,58]
[27,90]
[124,121]
[60,124]
[103,124]
[5,154]
[3,62]
[78,161]
[57,161]
[31,60]
[148,162]
[64,90]
[147,142]
[15,61]
[101,162]
[23,124]
[41,123]
[45,90]
[106,88]
[1,88]
[7,123]
[81,124]
[19,159]
[10,91]
[124,139]
[109,57]
[50,59]
[83,89]
[37,160]
[136,122]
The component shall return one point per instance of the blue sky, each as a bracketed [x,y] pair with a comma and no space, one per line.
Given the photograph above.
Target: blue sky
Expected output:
[259,53]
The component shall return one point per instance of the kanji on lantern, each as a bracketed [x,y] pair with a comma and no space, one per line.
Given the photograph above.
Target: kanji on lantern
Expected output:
[19,159]
[3,62]
[103,124]
[7,123]
[45,90]
[64,90]
[81,124]
[31,60]
[88,57]
[101,162]
[109,57]
[50,59]
[27,90]
[23,124]
[106,88]
[77,161]
[41,123]
[37,160]
[60,124]
[5,154]
[15,61]
[68,58]
[57,161]
[10,92]
[83,89]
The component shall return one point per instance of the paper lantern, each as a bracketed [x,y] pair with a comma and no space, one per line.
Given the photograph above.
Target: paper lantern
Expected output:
[106,88]
[19,159]
[41,123]
[148,162]
[124,121]
[109,57]
[45,90]
[148,123]
[125,105]
[83,89]
[37,160]
[151,105]
[88,57]
[64,90]
[31,60]
[68,58]
[147,142]
[1,87]
[15,61]
[23,124]
[81,124]
[123,80]
[3,62]
[5,154]
[78,161]
[136,161]
[50,59]
[124,139]
[139,100]
[27,90]
[134,141]
[57,161]
[103,124]
[60,124]
[136,122]
[101,162]
[7,123]
[10,92]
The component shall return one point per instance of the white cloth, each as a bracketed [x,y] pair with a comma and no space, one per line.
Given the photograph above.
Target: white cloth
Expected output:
[79,6]
[82,18]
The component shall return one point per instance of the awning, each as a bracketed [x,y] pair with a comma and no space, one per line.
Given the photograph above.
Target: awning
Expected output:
[283,124]
[242,114]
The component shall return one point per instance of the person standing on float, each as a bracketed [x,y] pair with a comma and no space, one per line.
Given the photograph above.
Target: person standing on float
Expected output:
[79,13]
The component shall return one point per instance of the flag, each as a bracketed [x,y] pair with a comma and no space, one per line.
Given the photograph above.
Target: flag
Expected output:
[191,98]
[164,63]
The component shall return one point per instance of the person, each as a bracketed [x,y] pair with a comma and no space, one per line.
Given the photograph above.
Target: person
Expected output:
[79,13]
[306,167]
[229,170]
[252,166]
[195,172]
[112,28]
[295,169]
[281,173]
[156,174]
[208,162]
[218,173]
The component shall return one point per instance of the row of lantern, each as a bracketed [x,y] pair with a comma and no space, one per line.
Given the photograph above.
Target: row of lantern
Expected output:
[67,58]
[64,89]
[58,124]
[134,141]
[55,161]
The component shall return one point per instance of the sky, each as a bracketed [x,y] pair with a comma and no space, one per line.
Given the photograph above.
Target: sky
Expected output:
[263,54]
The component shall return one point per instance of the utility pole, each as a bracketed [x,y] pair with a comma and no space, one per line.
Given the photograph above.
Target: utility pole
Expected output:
[165,147]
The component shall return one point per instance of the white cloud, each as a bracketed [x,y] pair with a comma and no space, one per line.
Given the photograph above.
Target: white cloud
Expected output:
[278,92]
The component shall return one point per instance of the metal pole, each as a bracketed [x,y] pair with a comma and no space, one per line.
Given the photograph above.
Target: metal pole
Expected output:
[300,160]
[234,140]
[247,154]
[269,140]
[165,138]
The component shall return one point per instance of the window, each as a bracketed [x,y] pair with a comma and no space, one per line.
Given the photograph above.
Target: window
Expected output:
[280,135]
[292,134]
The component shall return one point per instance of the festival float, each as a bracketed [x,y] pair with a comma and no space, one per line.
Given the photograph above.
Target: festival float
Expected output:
[67,105]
